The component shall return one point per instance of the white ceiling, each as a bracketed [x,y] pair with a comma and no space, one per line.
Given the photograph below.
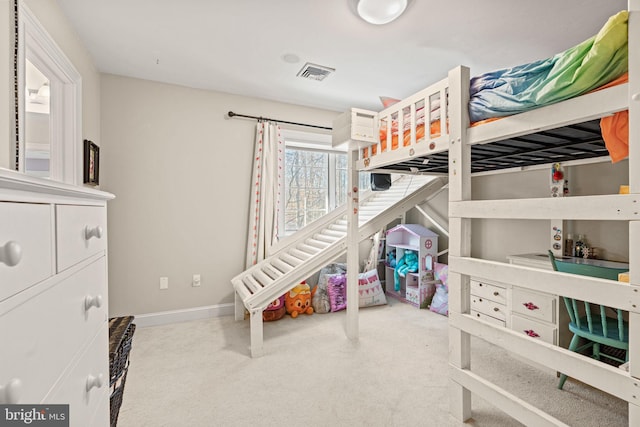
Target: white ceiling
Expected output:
[237,46]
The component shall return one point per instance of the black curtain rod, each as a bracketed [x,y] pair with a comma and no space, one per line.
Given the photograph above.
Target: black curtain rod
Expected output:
[232,114]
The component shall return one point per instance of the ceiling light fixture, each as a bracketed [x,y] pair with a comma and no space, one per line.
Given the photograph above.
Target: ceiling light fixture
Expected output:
[380,12]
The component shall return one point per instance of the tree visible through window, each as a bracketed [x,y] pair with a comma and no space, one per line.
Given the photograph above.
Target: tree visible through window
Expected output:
[315,184]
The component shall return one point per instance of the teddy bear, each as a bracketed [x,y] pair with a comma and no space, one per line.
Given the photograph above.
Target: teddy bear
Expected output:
[407,264]
[298,300]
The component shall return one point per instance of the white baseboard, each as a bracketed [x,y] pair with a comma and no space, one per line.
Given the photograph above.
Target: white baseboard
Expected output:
[175,316]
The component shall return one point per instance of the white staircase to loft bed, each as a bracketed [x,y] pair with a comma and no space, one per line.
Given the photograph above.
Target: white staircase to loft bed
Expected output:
[299,256]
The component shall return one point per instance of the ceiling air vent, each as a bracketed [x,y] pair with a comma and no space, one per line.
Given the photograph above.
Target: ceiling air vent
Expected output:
[315,72]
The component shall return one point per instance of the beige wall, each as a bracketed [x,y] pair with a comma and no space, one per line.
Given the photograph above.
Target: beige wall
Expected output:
[181,175]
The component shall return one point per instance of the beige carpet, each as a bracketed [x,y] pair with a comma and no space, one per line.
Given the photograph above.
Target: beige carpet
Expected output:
[200,374]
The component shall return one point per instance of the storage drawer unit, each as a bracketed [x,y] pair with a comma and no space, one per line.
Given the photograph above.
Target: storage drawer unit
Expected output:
[490,291]
[488,301]
[26,243]
[53,303]
[534,304]
[81,232]
[534,328]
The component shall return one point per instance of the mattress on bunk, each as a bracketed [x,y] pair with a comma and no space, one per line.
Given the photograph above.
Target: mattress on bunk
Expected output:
[576,71]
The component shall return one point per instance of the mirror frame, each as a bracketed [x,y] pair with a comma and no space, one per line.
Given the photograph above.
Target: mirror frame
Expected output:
[66,97]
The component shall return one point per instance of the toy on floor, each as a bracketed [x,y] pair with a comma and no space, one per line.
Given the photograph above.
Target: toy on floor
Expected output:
[275,310]
[320,300]
[391,258]
[298,300]
[407,264]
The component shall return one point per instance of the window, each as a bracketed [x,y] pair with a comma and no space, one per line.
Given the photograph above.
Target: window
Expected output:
[315,181]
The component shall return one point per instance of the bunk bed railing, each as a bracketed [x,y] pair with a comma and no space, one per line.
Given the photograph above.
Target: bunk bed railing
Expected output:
[591,106]
[599,291]
[413,127]
[613,207]
[592,289]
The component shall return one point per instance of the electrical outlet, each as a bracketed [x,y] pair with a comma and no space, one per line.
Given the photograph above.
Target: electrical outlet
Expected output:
[164,283]
[196,280]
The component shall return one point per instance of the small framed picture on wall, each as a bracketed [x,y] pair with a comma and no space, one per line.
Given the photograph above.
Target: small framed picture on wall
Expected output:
[91,163]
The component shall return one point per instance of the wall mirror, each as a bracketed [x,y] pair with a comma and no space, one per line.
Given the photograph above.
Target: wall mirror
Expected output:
[45,93]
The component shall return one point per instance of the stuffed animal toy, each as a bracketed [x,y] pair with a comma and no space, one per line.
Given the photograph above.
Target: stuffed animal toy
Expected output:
[407,264]
[391,258]
[275,310]
[298,300]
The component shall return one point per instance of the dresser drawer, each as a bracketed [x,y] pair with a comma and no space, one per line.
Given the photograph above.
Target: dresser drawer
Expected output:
[534,329]
[534,304]
[489,319]
[489,291]
[81,232]
[42,336]
[26,242]
[488,307]
[85,386]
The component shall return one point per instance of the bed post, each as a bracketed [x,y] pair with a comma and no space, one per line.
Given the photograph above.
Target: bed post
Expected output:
[238,307]
[460,236]
[353,243]
[255,322]
[634,183]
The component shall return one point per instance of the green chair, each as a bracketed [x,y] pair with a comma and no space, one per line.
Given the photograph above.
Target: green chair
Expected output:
[593,326]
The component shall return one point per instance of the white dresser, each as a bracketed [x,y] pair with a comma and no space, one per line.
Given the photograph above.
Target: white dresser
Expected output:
[53,297]
[536,314]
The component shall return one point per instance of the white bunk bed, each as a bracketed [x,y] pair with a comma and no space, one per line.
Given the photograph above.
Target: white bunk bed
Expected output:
[450,152]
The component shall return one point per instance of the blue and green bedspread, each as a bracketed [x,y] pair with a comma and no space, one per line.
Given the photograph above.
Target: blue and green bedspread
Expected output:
[576,71]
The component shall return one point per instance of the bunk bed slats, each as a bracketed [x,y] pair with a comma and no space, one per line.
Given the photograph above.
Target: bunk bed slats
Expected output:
[597,374]
[308,249]
[291,260]
[252,284]
[281,265]
[316,242]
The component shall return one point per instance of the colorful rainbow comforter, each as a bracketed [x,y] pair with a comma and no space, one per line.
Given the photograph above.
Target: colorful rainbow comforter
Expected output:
[576,71]
[595,63]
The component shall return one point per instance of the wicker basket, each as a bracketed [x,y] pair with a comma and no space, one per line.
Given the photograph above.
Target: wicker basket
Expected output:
[121,331]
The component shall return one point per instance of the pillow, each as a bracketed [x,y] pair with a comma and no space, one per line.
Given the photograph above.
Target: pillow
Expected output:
[387,101]
[337,290]
[441,272]
[440,302]
[370,290]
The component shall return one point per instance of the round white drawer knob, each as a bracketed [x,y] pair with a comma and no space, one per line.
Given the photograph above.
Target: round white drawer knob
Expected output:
[92,232]
[10,393]
[636,97]
[10,253]
[95,381]
[90,301]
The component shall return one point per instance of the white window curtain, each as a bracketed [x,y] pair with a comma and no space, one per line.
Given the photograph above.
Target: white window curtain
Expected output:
[268,164]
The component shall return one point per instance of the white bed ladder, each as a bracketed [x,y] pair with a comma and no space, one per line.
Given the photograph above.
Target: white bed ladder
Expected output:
[299,256]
